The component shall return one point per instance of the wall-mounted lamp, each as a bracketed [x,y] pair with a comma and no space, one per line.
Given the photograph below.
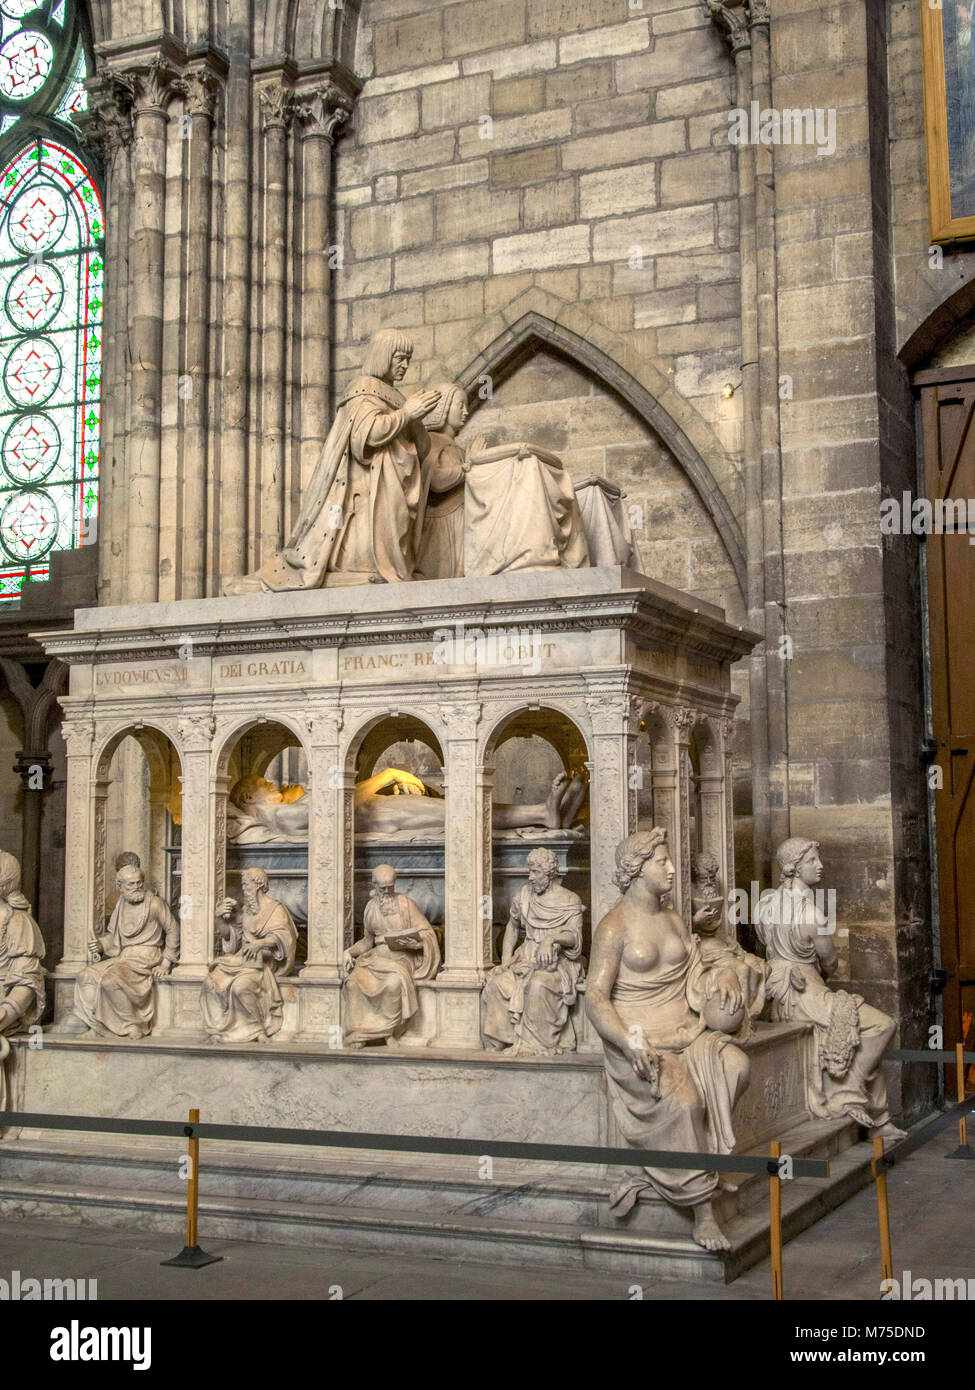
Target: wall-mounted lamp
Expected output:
[728,390]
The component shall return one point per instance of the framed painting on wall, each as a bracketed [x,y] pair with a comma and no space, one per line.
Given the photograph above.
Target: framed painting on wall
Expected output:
[948,51]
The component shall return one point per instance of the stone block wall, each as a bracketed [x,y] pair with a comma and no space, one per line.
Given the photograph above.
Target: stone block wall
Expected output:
[505,145]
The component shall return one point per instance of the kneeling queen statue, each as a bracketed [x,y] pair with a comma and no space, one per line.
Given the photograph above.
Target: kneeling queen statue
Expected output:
[665,1018]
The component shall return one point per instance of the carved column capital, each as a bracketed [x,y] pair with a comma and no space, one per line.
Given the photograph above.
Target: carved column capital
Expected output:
[151,87]
[203,87]
[614,712]
[107,124]
[726,726]
[323,111]
[322,725]
[78,735]
[735,20]
[196,732]
[277,105]
[461,720]
[681,719]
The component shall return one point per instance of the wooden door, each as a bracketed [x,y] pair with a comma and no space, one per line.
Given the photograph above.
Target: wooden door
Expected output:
[948,416]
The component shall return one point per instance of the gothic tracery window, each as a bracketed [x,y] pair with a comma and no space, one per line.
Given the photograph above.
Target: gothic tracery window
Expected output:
[51,266]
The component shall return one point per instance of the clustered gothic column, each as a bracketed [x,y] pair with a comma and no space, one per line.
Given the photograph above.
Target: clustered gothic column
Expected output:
[193,491]
[203,88]
[745,26]
[277,109]
[107,129]
[152,89]
[320,114]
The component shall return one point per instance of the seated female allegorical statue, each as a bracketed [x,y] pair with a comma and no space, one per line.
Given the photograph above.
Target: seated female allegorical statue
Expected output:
[665,1018]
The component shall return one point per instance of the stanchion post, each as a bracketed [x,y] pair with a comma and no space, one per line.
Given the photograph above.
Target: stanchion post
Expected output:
[879,1169]
[191,1256]
[963,1150]
[775,1220]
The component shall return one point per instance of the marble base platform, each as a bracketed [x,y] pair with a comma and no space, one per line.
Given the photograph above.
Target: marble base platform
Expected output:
[454,1207]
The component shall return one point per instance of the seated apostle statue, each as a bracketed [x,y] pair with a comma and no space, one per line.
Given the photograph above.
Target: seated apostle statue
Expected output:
[851,1035]
[398,947]
[241,998]
[21,972]
[526,1000]
[113,995]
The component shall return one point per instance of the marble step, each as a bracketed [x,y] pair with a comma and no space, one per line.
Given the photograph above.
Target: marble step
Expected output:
[438,1184]
[548,1218]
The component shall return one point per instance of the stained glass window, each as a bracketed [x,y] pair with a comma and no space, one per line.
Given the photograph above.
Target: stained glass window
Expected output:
[51,269]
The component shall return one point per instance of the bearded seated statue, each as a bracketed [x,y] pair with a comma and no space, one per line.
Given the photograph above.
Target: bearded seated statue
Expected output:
[527,999]
[241,999]
[391,803]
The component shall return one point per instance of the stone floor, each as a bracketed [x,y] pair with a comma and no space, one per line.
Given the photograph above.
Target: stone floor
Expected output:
[931,1201]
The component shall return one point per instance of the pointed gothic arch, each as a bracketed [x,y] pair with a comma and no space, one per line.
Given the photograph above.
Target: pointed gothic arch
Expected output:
[521,337]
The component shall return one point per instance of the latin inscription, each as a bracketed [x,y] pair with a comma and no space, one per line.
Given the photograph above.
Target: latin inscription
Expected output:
[140,675]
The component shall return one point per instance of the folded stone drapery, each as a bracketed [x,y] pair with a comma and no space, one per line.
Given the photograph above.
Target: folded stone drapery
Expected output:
[521,513]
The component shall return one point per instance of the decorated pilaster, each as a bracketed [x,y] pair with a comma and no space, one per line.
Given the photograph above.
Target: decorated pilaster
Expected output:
[78,732]
[614,718]
[326,872]
[467,894]
[198,896]
[726,732]
[682,719]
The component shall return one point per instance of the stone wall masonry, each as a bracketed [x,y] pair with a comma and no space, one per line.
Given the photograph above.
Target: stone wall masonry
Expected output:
[853,690]
[532,139]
